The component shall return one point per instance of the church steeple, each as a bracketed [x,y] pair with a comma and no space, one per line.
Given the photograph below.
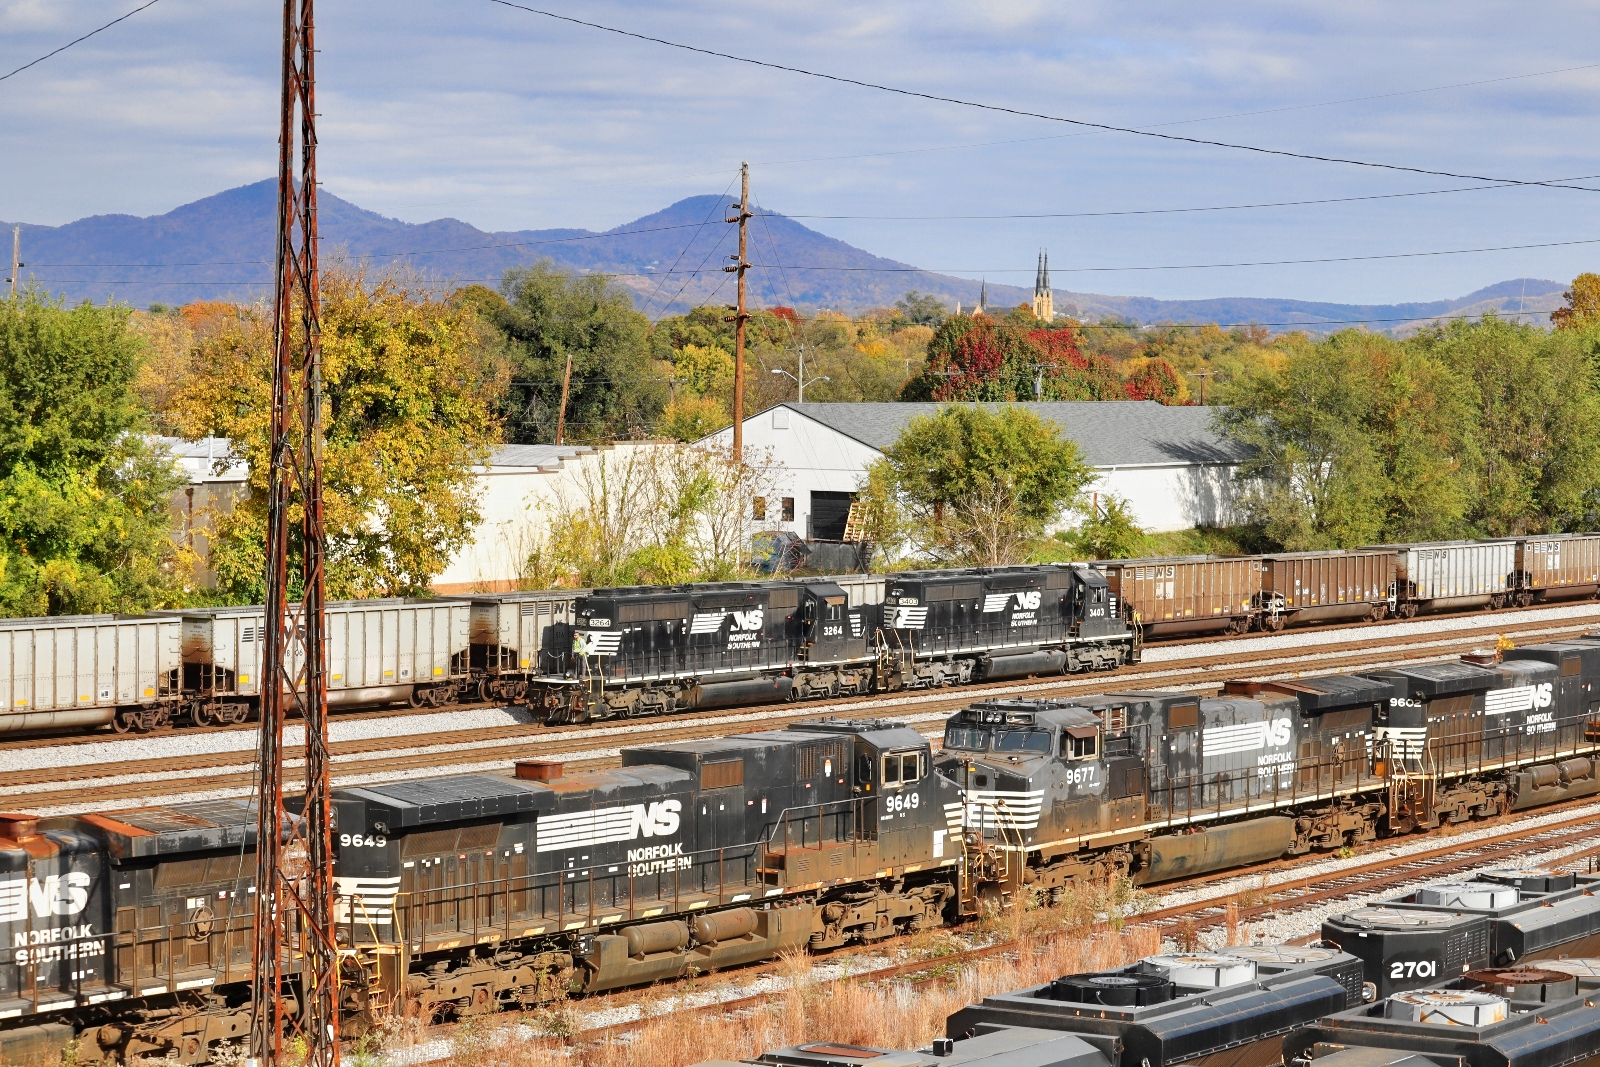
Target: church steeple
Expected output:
[1044,301]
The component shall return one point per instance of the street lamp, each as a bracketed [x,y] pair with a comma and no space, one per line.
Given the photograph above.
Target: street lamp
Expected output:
[801,383]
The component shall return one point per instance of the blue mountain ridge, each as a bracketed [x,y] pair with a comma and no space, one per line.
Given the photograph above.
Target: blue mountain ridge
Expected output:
[220,248]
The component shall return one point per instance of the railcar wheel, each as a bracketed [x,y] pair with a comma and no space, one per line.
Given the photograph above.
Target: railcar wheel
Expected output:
[419,697]
[122,723]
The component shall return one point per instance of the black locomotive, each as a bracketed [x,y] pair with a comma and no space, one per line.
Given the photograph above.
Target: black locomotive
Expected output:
[1497,918]
[468,893]
[650,651]
[1250,1008]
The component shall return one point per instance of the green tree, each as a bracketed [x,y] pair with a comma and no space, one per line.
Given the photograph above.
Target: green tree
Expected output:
[974,485]
[1537,423]
[85,498]
[1313,478]
[545,315]
[1107,530]
[408,392]
[920,309]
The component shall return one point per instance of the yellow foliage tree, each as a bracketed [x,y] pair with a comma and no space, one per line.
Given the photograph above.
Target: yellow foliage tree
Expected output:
[408,392]
[1583,304]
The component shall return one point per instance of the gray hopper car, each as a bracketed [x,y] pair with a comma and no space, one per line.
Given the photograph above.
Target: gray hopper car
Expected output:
[88,670]
[379,652]
[1451,575]
[518,635]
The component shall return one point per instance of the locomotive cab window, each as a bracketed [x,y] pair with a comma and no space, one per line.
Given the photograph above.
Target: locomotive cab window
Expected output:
[1081,742]
[1022,741]
[902,769]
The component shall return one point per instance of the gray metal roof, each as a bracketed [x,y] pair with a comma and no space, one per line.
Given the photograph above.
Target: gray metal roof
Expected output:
[1109,433]
[535,455]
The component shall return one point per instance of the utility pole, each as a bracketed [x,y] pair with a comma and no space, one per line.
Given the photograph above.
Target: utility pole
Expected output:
[16,257]
[566,386]
[296,976]
[740,315]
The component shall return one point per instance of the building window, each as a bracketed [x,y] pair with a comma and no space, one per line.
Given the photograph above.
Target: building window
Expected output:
[758,509]
[788,509]
[780,418]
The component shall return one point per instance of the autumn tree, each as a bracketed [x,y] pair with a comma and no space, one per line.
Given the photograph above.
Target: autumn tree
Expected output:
[973,485]
[1483,428]
[408,394]
[1583,304]
[85,496]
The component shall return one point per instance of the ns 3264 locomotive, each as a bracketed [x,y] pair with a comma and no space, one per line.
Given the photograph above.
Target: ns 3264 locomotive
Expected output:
[131,931]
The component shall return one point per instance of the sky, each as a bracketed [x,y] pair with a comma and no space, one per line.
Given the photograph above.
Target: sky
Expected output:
[511,120]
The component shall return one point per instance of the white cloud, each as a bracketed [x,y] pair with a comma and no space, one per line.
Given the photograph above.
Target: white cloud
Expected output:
[511,121]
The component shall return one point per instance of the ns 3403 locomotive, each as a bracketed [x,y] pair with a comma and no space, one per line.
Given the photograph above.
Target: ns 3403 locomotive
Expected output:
[130,931]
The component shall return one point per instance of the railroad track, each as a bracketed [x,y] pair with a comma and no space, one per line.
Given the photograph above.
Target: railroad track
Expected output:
[1351,883]
[1505,621]
[131,782]
[1358,880]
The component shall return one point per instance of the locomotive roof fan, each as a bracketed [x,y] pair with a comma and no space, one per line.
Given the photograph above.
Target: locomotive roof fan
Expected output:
[1526,986]
[1530,879]
[1283,955]
[1380,917]
[1200,970]
[1111,990]
[1474,896]
[1447,1007]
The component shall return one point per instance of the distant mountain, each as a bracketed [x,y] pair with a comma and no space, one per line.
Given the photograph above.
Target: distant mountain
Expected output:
[221,248]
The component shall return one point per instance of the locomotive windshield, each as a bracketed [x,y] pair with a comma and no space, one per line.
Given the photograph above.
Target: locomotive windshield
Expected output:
[972,738]
[979,739]
[1022,741]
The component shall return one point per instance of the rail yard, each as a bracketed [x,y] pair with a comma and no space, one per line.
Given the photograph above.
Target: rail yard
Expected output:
[1356,777]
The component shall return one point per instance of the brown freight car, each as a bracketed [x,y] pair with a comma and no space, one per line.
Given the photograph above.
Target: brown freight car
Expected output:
[1304,587]
[1187,594]
[1558,567]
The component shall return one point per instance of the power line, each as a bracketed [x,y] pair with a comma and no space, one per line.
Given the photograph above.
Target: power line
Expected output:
[1030,140]
[932,270]
[80,40]
[1022,113]
[1172,210]
[716,206]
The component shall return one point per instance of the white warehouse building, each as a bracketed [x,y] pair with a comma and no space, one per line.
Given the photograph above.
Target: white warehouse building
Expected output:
[1174,470]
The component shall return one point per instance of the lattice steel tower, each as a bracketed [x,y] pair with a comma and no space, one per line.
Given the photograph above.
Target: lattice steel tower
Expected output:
[296,956]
